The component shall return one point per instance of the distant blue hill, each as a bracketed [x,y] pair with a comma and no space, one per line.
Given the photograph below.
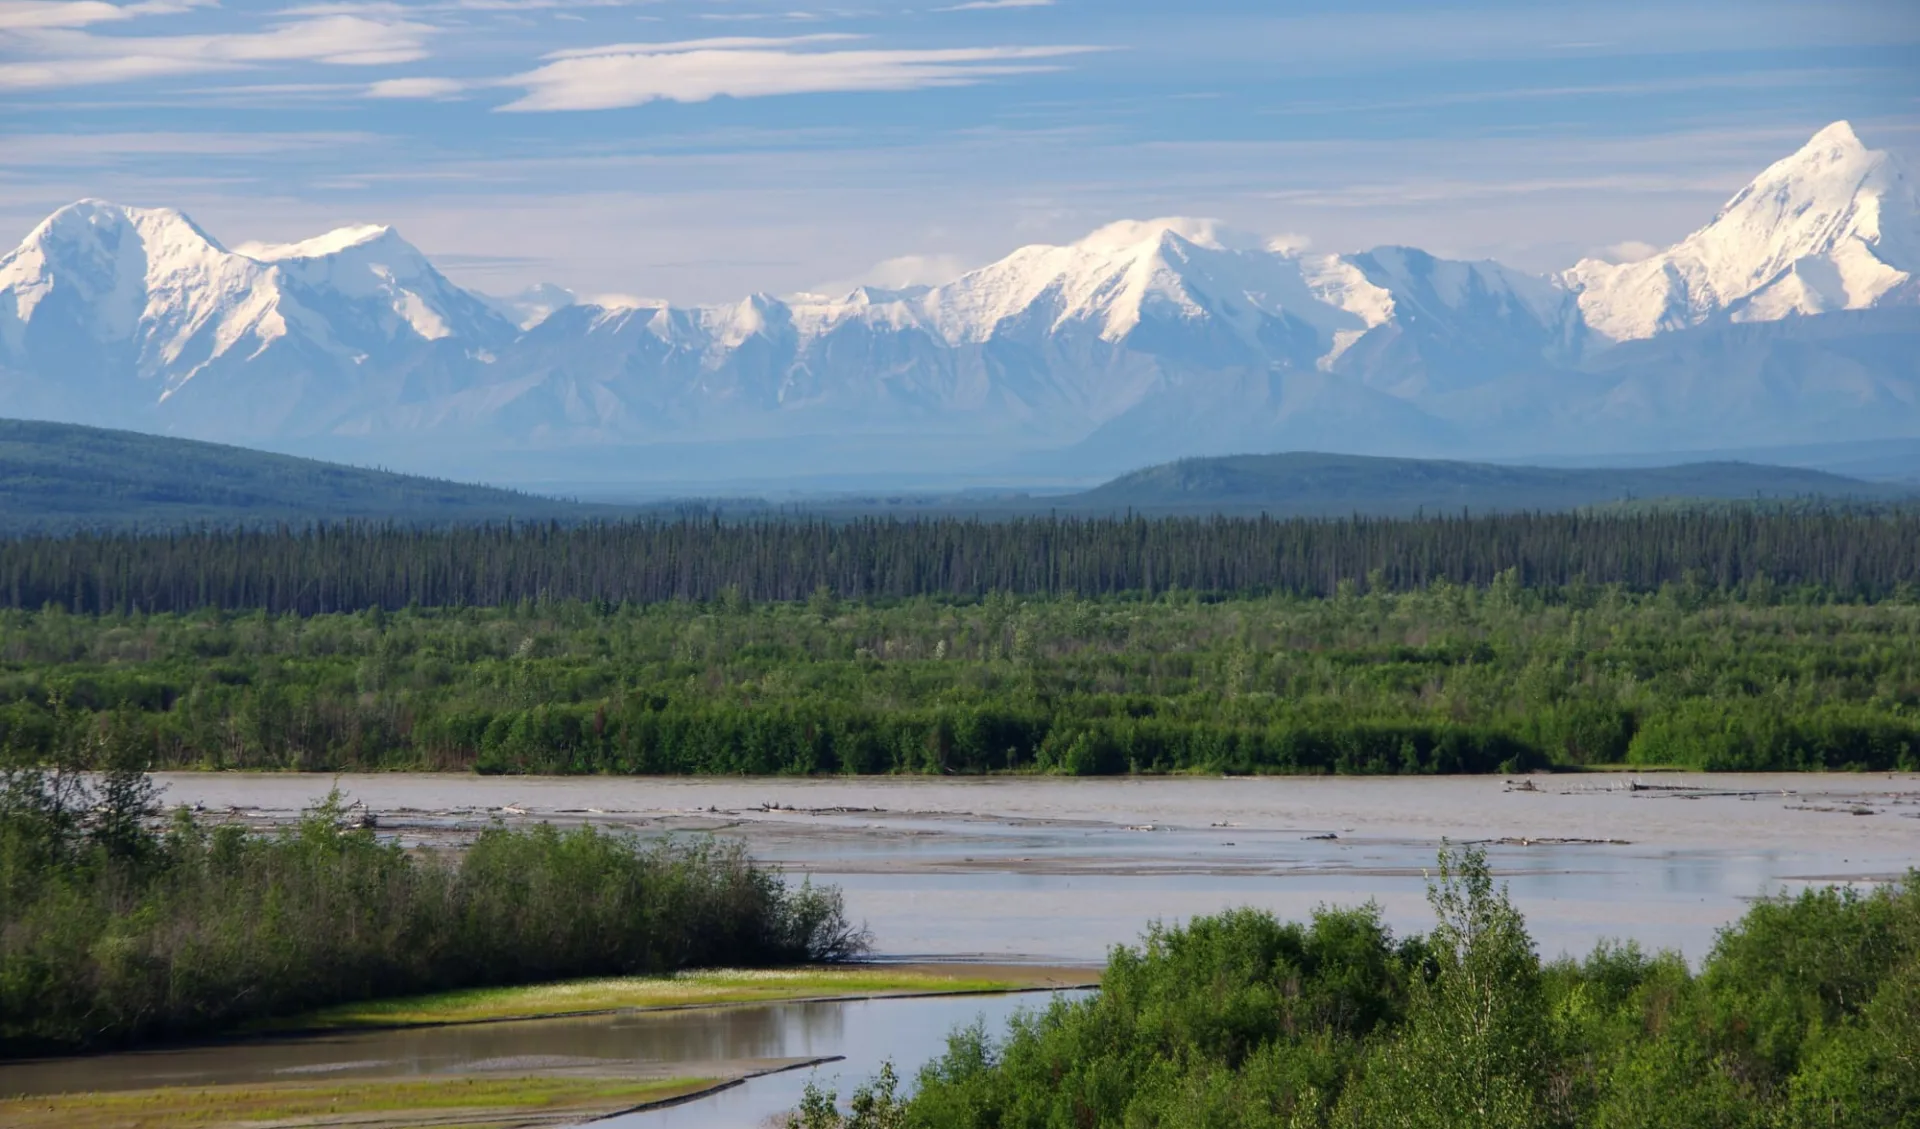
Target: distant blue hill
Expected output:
[57,477]
[1307,484]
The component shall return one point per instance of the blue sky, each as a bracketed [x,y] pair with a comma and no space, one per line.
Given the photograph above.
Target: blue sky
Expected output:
[700,150]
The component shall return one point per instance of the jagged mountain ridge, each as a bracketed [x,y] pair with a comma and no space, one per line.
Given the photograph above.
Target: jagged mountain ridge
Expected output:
[1836,226]
[1153,339]
[110,314]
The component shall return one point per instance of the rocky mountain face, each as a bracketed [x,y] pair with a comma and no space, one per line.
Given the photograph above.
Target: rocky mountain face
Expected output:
[1794,316]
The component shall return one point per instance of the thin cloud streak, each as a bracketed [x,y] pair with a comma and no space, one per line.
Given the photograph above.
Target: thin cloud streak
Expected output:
[612,79]
[718,43]
[620,75]
[92,149]
[995,5]
[416,88]
[75,58]
[25,15]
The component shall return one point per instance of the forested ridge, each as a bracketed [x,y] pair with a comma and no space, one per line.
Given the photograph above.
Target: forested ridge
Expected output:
[1449,678]
[348,567]
[59,477]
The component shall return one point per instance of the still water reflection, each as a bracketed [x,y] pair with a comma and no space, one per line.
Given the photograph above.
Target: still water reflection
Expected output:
[869,1032]
[909,1031]
[1573,896]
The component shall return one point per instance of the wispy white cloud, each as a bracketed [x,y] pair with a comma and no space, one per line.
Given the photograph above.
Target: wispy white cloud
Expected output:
[718,43]
[68,57]
[1428,191]
[760,17]
[1337,41]
[86,72]
[89,149]
[901,272]
[615,75]
[19,15]
[417,7]
[416,88]
[1628,251]
[620,300]
[697,70]
[1746,80]
[995,5]
[539,5]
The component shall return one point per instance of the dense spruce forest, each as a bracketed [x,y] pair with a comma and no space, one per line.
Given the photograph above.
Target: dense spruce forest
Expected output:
[1446,678]
[1853,554]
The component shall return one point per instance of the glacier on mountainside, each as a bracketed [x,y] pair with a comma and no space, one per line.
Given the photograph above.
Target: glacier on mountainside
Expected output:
[1835,226]
[1792,316]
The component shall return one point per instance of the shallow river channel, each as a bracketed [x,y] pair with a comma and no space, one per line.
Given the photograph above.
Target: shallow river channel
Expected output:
[1055,871]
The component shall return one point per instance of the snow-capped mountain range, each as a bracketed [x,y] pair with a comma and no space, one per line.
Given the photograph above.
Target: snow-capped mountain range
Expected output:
[1794,316]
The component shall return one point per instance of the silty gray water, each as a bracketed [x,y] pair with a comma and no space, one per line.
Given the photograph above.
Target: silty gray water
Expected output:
[908,1033]
[691,1043]
[1048,870]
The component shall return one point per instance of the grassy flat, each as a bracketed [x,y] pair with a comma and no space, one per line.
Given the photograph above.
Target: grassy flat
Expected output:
[688,989]
[497,1103]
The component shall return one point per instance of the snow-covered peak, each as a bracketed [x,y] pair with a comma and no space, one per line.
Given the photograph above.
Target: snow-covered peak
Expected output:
[1832,139]
[91,220]
[1454,284]
[1131,235]
[347,253]
[108,269]
[102,284]
[1832,190]
[879,295]
[107,251]
[372,266]
[333,242]
[1834,226]
[1178,268]
[875,307]
[757,315]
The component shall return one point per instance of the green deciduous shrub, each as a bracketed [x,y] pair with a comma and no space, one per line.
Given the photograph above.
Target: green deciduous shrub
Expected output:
[111,933]
[1806,1013]
[1437,681]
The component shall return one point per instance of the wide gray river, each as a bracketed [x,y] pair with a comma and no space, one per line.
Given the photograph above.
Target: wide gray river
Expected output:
[1056,871]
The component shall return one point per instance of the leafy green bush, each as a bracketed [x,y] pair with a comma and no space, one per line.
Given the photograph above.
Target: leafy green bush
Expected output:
[1806,1013]
[110,933]
[1437,681]
[1746,736]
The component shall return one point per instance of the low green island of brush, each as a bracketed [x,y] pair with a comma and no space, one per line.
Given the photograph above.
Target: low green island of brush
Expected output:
[699,988]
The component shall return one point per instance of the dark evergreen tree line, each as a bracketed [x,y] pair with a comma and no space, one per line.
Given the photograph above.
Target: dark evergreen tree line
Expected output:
[327,568]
